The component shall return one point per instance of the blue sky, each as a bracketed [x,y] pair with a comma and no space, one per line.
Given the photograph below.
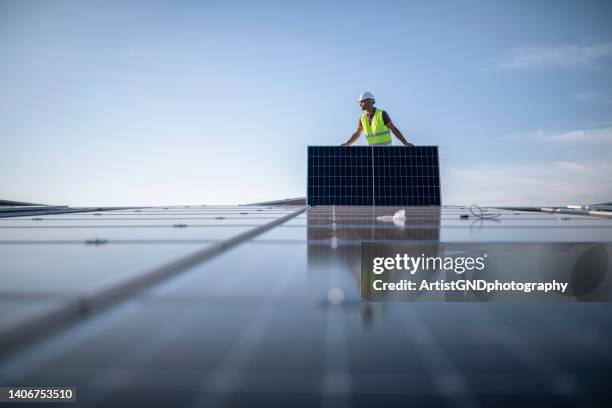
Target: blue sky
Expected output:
[146,103]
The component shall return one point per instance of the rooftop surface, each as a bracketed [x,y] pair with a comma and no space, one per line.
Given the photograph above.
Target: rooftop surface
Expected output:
[245,305]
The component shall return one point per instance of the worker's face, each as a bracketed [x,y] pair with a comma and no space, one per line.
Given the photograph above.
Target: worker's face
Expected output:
[366,104]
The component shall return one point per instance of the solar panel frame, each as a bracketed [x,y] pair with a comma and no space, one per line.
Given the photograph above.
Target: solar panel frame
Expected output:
[373,175]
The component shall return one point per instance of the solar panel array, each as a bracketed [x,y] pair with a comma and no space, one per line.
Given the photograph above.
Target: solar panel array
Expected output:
[373,175]
[278,317]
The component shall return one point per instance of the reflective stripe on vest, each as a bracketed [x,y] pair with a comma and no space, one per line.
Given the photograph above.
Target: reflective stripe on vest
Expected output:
[377,134]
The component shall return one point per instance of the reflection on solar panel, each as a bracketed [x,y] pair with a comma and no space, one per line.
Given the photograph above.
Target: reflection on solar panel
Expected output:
[366,175]
[57,266]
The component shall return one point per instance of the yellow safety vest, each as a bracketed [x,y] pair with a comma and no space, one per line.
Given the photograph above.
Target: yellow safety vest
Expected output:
[377,134]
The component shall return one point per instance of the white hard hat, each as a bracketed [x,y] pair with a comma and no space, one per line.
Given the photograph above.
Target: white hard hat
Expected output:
[366,95]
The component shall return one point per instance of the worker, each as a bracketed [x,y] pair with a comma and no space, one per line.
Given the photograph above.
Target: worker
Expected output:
[376,124]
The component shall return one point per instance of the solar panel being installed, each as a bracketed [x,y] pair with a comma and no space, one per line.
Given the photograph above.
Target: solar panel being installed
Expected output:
[367,175]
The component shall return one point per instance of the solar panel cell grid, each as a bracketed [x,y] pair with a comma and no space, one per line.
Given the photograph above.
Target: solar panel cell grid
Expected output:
[365,175]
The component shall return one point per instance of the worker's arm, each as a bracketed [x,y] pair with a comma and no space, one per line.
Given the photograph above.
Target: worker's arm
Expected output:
[354,137]
[398,134]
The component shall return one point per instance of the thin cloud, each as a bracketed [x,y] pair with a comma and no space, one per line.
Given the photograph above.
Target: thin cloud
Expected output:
[538,184]
[600,135]
[583,136]
[532,58]
[593,97]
